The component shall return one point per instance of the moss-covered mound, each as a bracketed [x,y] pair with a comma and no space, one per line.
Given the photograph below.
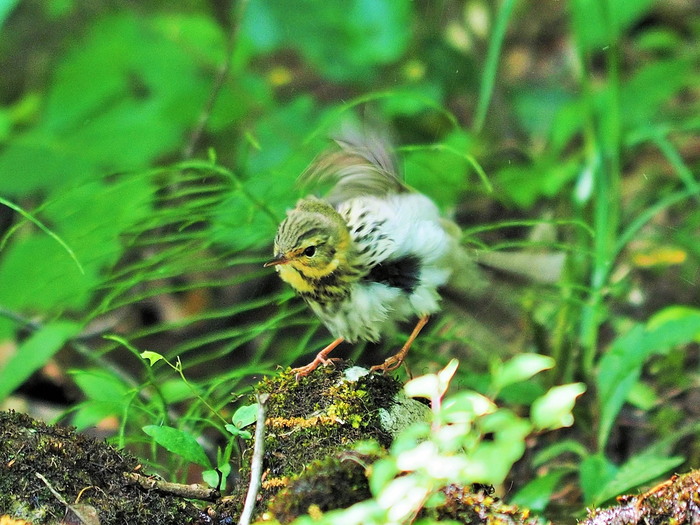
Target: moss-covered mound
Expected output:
[82,471]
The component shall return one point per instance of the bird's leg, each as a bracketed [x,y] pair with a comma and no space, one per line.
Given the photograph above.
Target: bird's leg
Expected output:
[321,359]
[393,362]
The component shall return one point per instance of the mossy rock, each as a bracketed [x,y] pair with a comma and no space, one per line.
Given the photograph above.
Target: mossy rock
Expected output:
[81,470]
[311,462]
[341,480]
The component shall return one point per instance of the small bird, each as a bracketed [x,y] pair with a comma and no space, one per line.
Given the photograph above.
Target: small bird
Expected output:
[370,254]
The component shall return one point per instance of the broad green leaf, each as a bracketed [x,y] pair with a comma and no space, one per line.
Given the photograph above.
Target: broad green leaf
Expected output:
[107,395]
[496,457]
[595,472]
[598,24]
[213,478]
[381,473]
[636,471]
[175,391]
[520,368]
[620,367]
[90,413]
[34,352]
[553,410]
[117,102]
[179,442]
[245,415]
[523,184]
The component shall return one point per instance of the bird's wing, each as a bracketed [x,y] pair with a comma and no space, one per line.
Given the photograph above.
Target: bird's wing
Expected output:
[363,164]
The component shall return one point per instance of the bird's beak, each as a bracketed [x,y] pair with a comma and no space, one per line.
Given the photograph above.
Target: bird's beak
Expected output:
[279,259]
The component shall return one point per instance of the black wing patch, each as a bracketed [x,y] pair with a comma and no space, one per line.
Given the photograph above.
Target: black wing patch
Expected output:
[398,273]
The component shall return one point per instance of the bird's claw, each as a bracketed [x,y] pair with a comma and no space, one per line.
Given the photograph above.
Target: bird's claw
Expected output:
[389,365]
[305,370]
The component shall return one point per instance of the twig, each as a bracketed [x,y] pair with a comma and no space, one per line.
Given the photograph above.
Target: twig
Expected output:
[219,80]
[256,462]
[193,491]
[86,514]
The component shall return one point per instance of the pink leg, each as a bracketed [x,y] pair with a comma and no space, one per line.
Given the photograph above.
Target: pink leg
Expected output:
[393,362]
[321,359]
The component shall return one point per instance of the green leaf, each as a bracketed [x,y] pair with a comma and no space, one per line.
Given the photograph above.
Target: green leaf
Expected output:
[152,357]
[107,395]
[245,415]
[34,352]
[537,494]
[179,442]
[520,368]
[595,472]
[599,24]
[101,385]
[212,477]
[645,93]
[494,459]
[619,369]
[553,410]
[382,472]
[634,472]
[237,432]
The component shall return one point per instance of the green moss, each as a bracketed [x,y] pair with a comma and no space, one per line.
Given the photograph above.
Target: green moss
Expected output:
[335,482]
[315,416]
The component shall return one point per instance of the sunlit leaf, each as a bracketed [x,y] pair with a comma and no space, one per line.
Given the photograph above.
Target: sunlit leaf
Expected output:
[179,442]
[553,410]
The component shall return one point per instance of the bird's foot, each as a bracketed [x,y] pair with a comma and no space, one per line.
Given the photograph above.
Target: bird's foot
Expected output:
[389,365]
[305,370]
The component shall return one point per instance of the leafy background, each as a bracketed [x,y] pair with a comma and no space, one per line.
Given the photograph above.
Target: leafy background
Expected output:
[149,149]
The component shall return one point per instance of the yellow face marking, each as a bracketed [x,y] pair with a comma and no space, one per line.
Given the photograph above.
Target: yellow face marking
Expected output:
[292,276]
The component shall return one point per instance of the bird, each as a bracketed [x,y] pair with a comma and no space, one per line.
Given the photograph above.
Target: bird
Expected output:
[371,253]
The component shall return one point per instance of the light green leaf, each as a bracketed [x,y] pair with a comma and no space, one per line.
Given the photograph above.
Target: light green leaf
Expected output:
[212,477]
[152,357]
[521,368]
[34,352]
[245,415]
[237,432]
[553,410]
[179,442]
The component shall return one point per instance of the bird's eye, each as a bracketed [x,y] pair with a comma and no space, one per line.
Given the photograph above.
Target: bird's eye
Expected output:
[310,251]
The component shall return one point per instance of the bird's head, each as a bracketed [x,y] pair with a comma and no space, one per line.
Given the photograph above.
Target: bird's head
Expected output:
[311,243]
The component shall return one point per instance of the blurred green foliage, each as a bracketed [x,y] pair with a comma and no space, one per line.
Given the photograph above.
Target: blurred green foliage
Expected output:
[160,142]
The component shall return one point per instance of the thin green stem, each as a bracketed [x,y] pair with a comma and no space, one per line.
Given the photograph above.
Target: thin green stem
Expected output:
[488,79]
